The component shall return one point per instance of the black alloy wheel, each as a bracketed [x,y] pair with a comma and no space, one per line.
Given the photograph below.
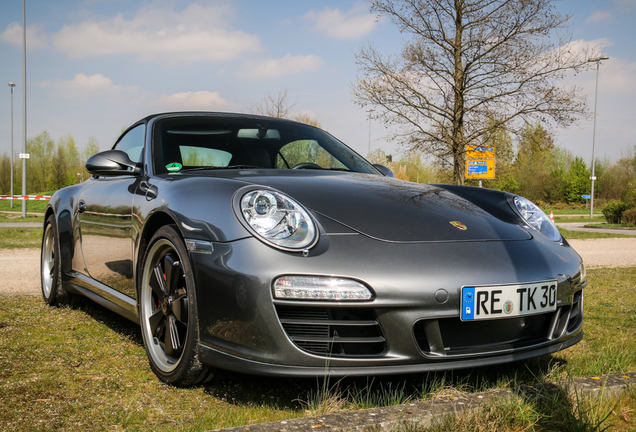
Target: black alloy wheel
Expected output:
[168,314]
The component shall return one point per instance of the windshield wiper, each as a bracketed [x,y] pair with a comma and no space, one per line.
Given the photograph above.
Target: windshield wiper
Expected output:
[222,167]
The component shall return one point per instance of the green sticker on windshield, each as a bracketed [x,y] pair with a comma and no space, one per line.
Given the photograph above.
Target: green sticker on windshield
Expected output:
[174,166]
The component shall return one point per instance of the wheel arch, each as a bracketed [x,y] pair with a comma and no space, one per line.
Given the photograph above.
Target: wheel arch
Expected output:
[64,225]
[155,221]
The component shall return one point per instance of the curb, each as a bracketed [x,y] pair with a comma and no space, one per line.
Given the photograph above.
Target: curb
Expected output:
[425,414]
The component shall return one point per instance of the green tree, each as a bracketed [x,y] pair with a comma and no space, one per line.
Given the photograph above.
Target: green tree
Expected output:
[5,174]
[42,151]
[58,172]
[465,62]
[416,168]
[533,161]
[91,148]
[66,164]
[577,181]
[558,161]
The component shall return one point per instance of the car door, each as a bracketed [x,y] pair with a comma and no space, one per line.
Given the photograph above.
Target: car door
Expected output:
[106,220]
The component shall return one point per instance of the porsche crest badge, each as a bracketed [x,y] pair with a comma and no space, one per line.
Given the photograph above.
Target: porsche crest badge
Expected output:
[458,225]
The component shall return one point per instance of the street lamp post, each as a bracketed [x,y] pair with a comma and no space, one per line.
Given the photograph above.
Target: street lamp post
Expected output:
[11,85]
[369,111]
[24,111]
[596,60]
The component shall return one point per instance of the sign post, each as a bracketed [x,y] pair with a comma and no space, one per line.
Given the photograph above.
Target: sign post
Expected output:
[480,163]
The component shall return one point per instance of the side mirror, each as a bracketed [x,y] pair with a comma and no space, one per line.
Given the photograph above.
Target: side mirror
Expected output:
[384,170]
[110,163]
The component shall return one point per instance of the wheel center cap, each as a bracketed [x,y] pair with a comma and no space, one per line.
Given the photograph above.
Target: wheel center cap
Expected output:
[165,306]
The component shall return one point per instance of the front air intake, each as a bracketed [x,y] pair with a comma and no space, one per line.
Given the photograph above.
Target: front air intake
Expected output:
[335,332]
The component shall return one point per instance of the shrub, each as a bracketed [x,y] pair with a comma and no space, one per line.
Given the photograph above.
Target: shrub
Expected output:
[629,216]
[613,212]
[629,193]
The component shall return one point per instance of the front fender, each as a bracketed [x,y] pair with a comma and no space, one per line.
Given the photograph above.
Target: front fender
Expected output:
[63,206]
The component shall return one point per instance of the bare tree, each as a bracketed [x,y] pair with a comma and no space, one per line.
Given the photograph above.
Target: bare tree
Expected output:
[279,106]
[469,62]
[273,106]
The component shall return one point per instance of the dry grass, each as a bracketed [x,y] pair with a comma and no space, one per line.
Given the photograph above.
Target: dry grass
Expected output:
[85,369]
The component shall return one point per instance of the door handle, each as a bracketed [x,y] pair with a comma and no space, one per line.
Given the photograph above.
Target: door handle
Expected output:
[81,206]
[151,191]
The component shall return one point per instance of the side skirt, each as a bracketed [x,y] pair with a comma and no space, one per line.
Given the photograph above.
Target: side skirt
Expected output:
[102,294]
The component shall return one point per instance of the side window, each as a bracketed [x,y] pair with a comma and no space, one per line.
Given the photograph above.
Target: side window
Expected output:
[306,151]
[133,143]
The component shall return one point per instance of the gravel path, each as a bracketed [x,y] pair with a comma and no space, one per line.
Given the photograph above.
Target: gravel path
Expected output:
[21,266]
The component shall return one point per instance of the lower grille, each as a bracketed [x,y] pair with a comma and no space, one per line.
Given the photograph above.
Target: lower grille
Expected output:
[451,336]
[337,332]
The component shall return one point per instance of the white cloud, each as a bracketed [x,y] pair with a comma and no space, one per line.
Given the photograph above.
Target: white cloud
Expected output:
[599,16]
[616,94]
[36,39]
[339,25]
[200,100]
[83,87]
[584,49]
[197,33]
[274,68]
[616,76]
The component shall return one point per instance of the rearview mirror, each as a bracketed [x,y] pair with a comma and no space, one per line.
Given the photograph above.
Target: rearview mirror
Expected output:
[112,162]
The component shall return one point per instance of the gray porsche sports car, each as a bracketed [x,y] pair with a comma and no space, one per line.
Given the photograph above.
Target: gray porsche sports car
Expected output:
[266,246]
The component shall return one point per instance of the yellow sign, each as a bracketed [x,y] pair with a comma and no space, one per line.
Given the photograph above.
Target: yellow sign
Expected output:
[480,152]
[480,169]
[480,162]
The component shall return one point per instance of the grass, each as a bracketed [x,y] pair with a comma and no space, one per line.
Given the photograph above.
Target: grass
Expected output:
[17,217]
[84,368]
[551,412]
[579,219]
[18,238]
[32,205]
[609,346]
[589,235]
[585,211]
[608,225]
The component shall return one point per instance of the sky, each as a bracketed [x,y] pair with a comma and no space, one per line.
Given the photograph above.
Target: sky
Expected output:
[97,66]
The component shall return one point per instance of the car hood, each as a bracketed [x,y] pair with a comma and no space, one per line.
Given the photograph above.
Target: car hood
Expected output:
[389,209]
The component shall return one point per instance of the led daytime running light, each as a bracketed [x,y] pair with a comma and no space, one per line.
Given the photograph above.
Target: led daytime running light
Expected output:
[320,288]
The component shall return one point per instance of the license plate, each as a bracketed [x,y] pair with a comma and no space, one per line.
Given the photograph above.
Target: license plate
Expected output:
[504,301]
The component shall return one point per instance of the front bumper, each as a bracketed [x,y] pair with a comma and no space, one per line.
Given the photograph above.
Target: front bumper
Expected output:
[244,329]
[211,356]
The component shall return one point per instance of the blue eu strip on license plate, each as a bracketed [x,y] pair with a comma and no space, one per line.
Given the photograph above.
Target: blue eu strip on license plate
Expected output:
[504,301]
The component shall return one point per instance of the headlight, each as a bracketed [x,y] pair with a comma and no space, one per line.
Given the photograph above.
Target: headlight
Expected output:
[277,219]
[582,273]
[320,288]
[535,217]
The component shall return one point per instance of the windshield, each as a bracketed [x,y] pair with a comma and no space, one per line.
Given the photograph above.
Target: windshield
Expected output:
[198,142]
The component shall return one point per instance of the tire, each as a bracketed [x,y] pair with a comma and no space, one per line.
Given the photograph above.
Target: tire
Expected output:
[168,311]
[50,267]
